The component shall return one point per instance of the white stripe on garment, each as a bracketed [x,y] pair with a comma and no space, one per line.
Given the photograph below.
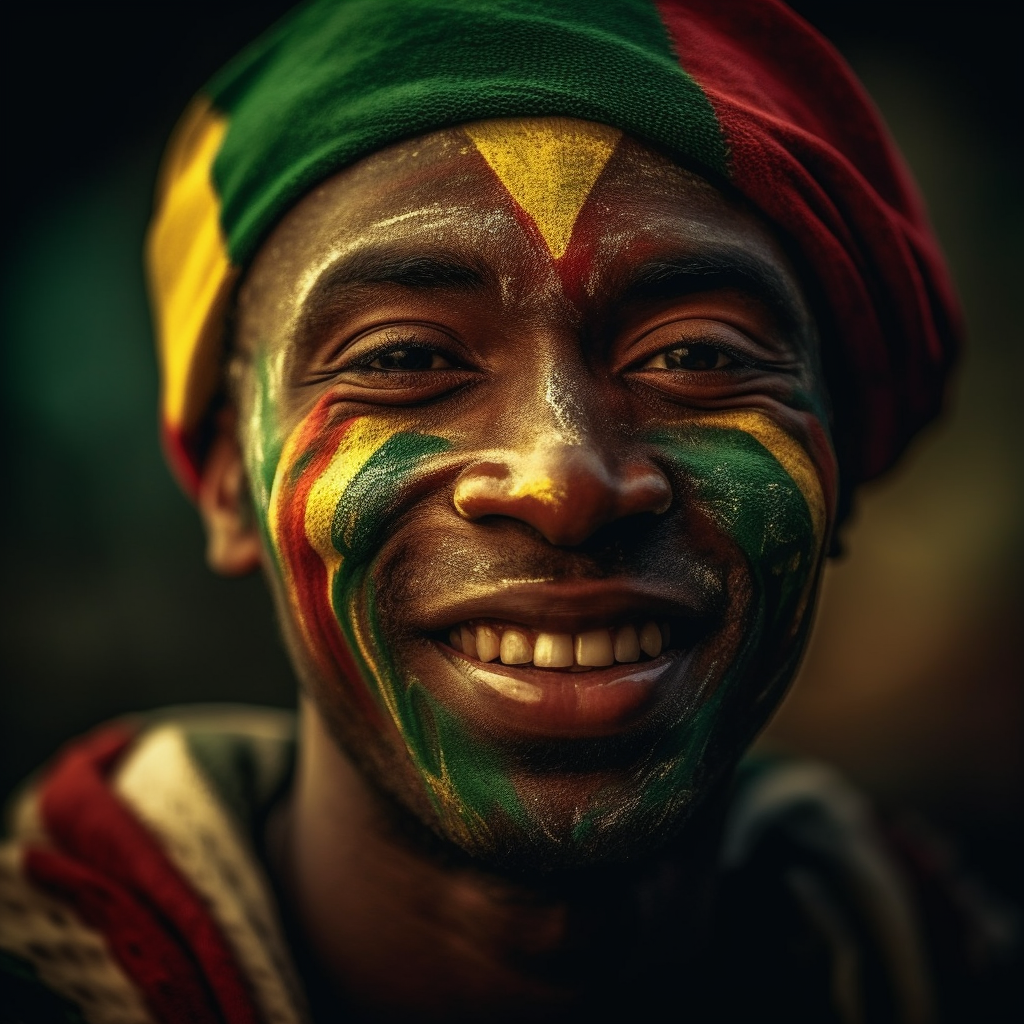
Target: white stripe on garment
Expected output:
[162,785]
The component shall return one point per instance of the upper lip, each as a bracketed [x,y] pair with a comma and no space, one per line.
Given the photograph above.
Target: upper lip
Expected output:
[563,606]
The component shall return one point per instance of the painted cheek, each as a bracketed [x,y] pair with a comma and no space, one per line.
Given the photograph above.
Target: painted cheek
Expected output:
[762,490]
[334,495]
[759,487]
[333,488]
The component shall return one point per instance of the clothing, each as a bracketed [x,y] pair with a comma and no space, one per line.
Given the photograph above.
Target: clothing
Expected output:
[745,93]
[139,893]
[133,889]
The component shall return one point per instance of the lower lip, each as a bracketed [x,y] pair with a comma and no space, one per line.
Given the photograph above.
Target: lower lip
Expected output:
[542,703]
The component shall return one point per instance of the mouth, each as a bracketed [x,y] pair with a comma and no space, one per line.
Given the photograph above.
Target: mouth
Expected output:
[538,661]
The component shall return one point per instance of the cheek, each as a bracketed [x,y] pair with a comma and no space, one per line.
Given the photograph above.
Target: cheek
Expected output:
[761,490]
[337,487]
[298,523]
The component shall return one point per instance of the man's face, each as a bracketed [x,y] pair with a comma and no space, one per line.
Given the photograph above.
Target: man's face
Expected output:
[534,429]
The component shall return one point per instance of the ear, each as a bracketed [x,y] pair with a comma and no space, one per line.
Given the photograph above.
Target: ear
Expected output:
[232,536]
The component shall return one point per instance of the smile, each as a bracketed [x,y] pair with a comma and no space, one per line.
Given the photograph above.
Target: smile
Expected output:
[565,659]
[522,700]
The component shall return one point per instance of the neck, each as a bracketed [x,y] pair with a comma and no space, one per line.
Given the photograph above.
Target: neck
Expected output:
[393,925]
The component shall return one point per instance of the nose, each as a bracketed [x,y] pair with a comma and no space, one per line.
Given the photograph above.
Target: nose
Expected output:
[565,492]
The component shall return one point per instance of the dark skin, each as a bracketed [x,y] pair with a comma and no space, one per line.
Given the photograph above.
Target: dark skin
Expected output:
[408,294]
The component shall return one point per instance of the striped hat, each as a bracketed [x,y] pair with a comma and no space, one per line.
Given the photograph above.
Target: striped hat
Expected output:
[742,91]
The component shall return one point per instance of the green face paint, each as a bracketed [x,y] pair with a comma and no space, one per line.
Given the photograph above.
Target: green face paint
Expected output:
[759,488]
[329,496]
[760,493]
[336,489]
[376,561]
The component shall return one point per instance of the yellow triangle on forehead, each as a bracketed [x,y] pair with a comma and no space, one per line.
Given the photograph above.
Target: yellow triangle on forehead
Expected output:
[549,165]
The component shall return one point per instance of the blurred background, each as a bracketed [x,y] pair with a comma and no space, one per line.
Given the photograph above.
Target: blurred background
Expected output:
[913,683]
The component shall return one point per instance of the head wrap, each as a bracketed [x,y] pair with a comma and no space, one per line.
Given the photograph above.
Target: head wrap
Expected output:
[743,92]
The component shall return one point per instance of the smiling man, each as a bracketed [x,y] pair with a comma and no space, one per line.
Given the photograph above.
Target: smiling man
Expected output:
[544,492]
[532,351]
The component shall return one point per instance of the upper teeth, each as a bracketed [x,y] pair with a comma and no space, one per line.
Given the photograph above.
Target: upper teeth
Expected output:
[593,649]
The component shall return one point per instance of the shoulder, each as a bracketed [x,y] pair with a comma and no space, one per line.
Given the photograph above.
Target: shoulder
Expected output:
[829,909]
[137,891]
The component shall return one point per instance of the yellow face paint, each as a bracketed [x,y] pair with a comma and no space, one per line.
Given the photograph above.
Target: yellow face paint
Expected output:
[527,480]
[548,165]
[541,488]
[358,443]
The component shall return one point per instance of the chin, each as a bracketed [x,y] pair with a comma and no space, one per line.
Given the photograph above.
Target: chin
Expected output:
[617,836]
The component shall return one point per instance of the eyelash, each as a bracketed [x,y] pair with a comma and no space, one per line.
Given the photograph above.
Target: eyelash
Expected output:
[743,359]
[397,344]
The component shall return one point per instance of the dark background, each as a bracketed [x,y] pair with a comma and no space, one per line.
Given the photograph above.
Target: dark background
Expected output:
[913,683]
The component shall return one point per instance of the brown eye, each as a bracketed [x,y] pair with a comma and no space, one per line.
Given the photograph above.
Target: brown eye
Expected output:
[690,357]
[410,358]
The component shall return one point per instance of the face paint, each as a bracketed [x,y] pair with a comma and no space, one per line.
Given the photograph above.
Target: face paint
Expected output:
[357,509]
[548,166]
[761,494]
[760,490]
[335,489]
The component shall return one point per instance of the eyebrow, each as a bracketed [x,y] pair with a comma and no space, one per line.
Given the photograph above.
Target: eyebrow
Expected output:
[397,267]
[674,276]
[374,266]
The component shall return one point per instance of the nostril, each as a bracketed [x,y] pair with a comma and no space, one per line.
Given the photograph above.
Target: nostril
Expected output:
[566,494]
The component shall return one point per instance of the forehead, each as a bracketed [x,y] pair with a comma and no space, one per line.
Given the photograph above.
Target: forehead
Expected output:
[545,201]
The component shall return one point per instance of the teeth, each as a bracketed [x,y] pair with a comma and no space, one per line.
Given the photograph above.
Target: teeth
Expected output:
[596,648]
[469,647]
[626,646]
[488,643]
[515,648]
[553,650]
[650,639]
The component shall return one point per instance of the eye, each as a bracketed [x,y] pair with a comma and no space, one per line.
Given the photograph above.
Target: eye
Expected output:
[421,348]
[690,358]
[407,358]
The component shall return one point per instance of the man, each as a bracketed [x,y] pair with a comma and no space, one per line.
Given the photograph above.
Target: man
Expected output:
[532,351]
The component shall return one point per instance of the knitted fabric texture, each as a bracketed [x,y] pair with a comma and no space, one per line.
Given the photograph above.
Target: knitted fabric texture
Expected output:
[744,93]
[132,890]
